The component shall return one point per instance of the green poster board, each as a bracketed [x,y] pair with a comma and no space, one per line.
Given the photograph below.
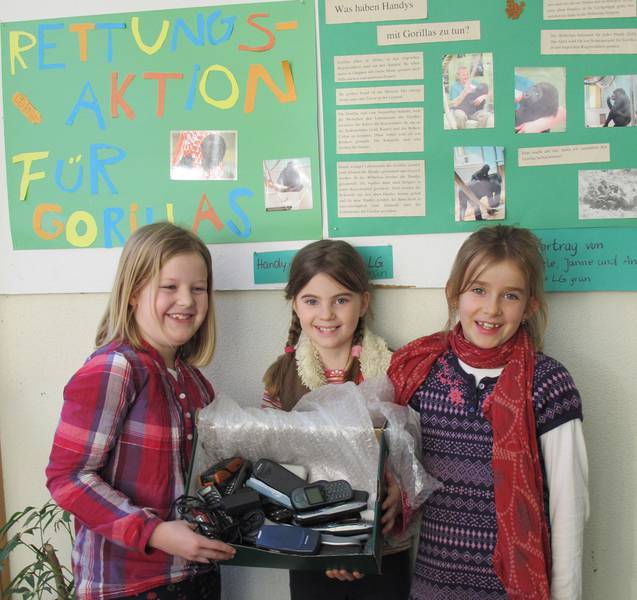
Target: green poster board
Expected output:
[536,196]
[589,259]
[115,121]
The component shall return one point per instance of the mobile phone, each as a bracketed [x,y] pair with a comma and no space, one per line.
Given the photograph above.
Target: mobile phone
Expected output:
[269,492]
[321,493]
[343,540]
[334,512]
[356,527]
[277,513]
[227,475]
[288,538]
[276,476]
[299,470]
[209,494]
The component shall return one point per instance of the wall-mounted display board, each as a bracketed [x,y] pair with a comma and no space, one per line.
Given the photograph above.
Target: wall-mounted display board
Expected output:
[205,116]
[441,114]
[420,105]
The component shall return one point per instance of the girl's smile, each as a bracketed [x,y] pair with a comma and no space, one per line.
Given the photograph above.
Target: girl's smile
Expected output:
[493,306]
[329,314]
[170,311]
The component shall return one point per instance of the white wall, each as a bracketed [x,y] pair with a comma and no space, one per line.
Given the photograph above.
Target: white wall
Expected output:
[45,338]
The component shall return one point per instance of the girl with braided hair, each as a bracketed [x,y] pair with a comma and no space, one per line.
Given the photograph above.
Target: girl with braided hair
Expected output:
[328,342]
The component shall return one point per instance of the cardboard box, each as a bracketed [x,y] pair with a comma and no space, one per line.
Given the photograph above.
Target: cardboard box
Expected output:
[329,557]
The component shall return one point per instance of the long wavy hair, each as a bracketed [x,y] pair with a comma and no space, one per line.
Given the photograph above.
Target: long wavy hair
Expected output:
[147,250]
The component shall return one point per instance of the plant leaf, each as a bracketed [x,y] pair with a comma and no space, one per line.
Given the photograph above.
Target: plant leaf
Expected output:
[6,550]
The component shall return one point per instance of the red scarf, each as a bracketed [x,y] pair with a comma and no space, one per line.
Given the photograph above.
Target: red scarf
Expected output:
[522,555]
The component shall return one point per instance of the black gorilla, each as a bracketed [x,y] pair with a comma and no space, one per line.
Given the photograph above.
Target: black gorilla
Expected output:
[467,105]
[618,108]
[213,149]
[290,178]
[481,173]
[540,100]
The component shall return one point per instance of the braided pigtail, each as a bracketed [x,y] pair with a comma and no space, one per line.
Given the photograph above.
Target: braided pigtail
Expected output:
[357,341]
[273,378]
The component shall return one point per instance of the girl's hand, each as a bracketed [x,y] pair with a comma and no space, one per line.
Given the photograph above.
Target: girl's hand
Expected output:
[343,575]
[179,539]
[392,505]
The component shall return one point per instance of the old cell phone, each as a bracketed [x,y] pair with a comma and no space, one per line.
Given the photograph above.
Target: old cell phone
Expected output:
[269,492]
[277,513]
[276,476]
[209,494]
[333,512]
[345,528]
[343,540]
[321,493]
[227,475]
[287,538]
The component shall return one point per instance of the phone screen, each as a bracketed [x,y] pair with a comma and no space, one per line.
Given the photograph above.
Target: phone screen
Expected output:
[314,495]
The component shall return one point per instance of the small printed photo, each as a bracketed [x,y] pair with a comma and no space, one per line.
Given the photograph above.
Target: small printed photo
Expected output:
[203,155]
[467,83]
[540,99]
[479,183]
[287,183]
[610,101]
[608,194]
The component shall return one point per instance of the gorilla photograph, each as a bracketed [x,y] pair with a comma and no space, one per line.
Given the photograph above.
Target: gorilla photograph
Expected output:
[608,194]
[540,99]
[467,80]
[203,154]
[287,184]
[610,101]
[479,183]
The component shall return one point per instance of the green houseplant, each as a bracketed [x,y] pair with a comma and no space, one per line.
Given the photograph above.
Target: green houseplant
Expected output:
[44,576]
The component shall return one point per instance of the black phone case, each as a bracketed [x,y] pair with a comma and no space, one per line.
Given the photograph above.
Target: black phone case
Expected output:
[276,476]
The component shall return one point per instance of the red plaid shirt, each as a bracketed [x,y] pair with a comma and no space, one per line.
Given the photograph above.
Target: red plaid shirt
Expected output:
[119,459]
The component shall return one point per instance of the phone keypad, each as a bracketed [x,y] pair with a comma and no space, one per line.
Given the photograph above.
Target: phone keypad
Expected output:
[336,491]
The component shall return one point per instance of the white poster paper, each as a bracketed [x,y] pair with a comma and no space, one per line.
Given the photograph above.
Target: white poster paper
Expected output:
[421,33]
[381,188]
[378,67]
[563,155]
[368,11]
[589,41]
[589,9]
[379,130]
[380,95]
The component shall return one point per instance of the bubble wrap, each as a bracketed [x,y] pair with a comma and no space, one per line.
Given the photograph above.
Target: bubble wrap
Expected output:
[330,432]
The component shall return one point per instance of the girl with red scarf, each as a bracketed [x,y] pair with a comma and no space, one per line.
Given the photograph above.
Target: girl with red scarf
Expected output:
[501,428]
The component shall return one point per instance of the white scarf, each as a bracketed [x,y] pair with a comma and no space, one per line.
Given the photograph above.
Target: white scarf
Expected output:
[374,359]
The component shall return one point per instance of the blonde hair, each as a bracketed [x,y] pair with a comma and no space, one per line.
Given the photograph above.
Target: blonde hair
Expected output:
[147,250]
[491,245]
[341,262]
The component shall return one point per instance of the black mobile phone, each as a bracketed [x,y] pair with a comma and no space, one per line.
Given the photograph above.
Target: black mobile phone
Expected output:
[288,538]
[276,476]
[321,493]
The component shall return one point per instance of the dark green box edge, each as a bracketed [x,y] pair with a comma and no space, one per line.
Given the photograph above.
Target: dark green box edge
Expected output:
[368,562]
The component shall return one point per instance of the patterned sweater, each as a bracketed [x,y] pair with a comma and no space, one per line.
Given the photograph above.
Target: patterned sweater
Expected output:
[458,532]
